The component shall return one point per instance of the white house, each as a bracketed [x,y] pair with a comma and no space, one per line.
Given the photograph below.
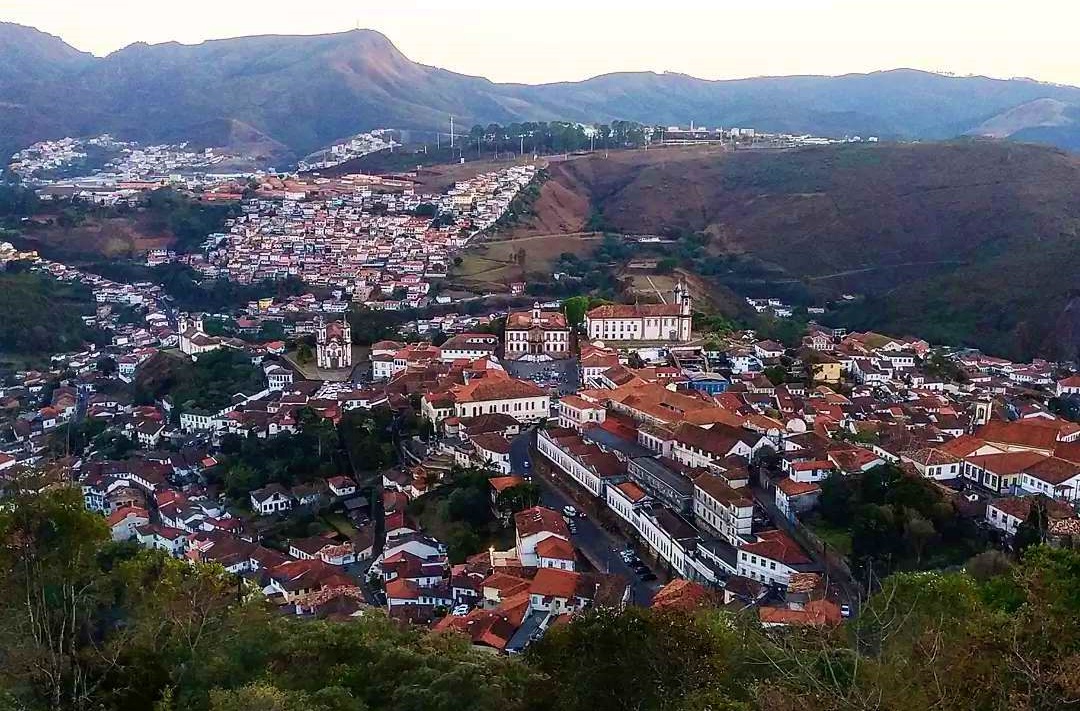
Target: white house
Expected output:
[772,559]
[271,499]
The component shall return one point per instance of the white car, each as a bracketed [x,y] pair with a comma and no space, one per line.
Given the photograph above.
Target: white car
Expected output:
[569,511]
[460,611]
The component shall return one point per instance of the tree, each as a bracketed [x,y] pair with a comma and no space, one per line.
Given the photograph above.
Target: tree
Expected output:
[49,593]
[575,308]
[1032,531]
[677,661]
[106,365]
[666,265]
[520,497]
[776,374]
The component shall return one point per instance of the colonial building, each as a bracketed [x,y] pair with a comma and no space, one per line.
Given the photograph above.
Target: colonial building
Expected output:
[333,345]
[643,322]
[536,334]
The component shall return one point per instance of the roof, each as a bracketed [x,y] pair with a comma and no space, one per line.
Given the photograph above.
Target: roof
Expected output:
[718,440]
[631,491]
[556,548]
[962,446]
[1053,470]
[721,491]
[1006,463]
[121,514]
[491,442]
[634,311]
[817,613]
[686,595]
[549,320]
[484,389]
[790,487]
[502,483]
[1025,433]
[778,546]
[552,582]
[1020,506]
[538,520]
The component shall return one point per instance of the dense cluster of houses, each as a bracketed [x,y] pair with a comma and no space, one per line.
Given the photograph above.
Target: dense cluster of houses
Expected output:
[381,248]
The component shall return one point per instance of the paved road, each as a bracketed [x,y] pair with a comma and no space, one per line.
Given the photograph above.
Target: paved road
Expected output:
[599,547]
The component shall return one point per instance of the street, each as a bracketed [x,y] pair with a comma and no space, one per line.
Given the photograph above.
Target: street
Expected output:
[599,547]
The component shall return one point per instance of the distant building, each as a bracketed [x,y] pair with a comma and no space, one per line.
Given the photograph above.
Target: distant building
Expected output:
[333,344]
[643,322]
[537,333]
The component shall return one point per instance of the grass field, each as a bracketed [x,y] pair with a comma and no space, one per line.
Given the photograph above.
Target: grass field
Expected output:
[497,263]
[837,538]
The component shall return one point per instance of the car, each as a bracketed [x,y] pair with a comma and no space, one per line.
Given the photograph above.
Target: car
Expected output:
[845,611]
[572,528]
[569,511]
[647,576]
[460,611]
[527,464]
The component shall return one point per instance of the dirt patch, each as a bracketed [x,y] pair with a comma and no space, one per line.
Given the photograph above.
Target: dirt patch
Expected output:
[97,237]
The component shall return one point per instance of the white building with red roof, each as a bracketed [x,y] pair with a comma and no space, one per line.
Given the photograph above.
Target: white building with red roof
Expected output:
[537,335]
[643,322]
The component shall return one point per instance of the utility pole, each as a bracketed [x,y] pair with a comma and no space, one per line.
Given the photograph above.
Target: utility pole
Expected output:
[522,137]
[451,131]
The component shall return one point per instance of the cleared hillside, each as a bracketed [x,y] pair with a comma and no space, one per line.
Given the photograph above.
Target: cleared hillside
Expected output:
[963,242]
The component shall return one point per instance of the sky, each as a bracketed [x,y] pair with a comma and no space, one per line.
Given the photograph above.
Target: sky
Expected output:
[569,40]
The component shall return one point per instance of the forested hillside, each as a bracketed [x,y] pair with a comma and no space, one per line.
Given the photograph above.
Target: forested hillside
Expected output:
[960,243]
[94,625]
[41,315]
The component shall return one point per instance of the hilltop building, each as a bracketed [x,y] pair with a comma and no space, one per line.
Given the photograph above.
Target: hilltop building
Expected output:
[643,322]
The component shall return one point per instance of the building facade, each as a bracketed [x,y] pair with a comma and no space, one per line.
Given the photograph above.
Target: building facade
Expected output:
[537,334]
[333,345]
[643,322]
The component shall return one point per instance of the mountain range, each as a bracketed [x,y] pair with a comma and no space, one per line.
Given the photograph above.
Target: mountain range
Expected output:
[284,96]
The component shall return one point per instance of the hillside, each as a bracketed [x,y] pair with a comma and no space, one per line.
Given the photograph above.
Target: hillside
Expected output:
[291,95]
[961,242]
[42,315]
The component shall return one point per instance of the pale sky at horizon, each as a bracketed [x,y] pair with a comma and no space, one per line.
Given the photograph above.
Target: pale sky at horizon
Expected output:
[565,40]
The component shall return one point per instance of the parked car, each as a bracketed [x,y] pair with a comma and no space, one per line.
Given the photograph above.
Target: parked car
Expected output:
[648,576]
[569,511]
[460,611]
[845,611]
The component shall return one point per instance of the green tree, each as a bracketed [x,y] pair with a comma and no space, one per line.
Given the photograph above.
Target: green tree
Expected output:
[575,308]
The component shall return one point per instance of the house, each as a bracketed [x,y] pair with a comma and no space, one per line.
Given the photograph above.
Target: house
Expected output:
[794,497]
[773,558]
[1007,513]
[722,509]
[535,525]
[1054,477]
[767,350]
[341,486]
[558,592]
[468,346]
[493,451]
[934,463]
[1068,386]
[697,446]
[124,522]
[271,499]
